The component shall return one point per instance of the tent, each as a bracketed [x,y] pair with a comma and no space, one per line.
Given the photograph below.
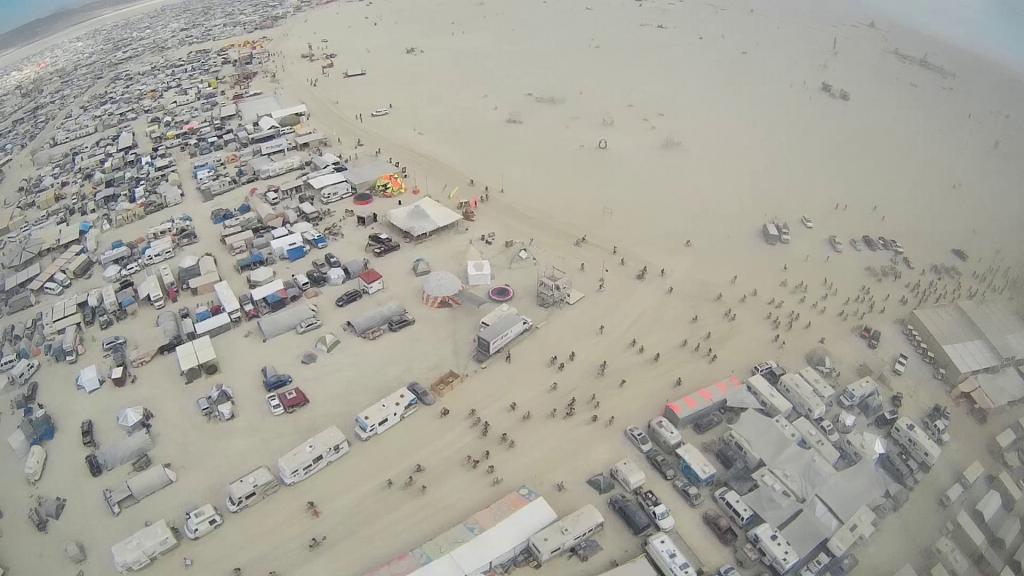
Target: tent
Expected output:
[133,418]
[327,343]
[422,217]
[478,272]
[441,289]
[88,379]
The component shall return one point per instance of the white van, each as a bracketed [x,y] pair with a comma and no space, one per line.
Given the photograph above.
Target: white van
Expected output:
[53,289]
[734,506]
[665,434]
[8,362]
[62,279]
[628,474]
[301,281]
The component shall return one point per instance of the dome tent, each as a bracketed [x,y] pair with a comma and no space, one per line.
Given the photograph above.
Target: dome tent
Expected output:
[441,289]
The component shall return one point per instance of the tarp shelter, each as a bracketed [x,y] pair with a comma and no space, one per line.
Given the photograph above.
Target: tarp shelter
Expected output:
[127,450]
[478,272]
[282,322]
[88,379]
[327,343]
[422,217]
[441,289]
[375,318]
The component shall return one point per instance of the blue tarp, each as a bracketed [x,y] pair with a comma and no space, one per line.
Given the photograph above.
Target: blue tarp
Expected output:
[116,244]
[244,208]
[84,226]
[295,253]
[203,315]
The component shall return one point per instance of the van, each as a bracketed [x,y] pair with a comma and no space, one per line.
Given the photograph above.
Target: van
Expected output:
[628,474]
[665,434]
[734,506]
[251,489]
[301,281]
[8,362]
[53,289]
[62,279]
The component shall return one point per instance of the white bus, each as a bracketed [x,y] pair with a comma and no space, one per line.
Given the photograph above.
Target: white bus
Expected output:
[312,456]
[251,489]
[669,560]
[915,441]
[385,413]
[566,533]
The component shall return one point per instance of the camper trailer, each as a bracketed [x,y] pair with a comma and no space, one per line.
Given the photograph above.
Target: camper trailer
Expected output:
[776,551]
[312,456]
[385,413]
[665,434]
[142,548]
[915,441]
[566,533]
[803,398]
[667,557]
[772,402]
[158,251]
[251,489]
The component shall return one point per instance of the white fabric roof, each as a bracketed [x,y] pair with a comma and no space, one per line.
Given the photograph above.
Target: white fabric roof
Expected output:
[423,217]
[327,180]
[88,379]
[441,283]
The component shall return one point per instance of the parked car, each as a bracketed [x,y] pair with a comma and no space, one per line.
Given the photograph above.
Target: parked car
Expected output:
[87,434]
[316,279]
[886,419]
[425,397]
[399,322]
[635,518]
[111,342]
[292,399]
[959,253]
[720,526]
[856,245]
[130,268]
[837,244]
[728,570]
[900,366]
[94,465]
[274,403]
[639,438]
[662,464]
[320,266]
[688,491]
[332,260]
[762,367]
[308,325]
[348,298]
[870,242]
[807,221]
[827,429]
[884,243]
[273,380]
[706,423]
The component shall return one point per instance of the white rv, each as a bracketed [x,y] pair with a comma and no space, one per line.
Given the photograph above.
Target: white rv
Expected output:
[800,394]
[251,489]
[664,553]
[857,392]
[665,434]
[776,551]
[563,535]
[385,413]
[158,251]
[312,456]
[772,402]
[915,441]
[140,549]
[628,474]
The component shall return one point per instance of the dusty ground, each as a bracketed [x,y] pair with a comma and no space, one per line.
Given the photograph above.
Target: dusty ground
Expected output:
[713,122]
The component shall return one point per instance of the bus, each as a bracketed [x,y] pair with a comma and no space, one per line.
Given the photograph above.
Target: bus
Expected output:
[251,489]
[385,413]
[566,533]
[312,456]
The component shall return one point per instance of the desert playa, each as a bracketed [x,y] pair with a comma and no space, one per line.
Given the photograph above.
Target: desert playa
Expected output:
[685,200]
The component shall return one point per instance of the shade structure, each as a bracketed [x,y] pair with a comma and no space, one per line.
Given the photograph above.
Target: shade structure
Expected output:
[441,289]
[132,418]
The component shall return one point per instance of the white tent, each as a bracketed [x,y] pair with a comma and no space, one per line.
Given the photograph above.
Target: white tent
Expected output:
[131,418]
[88,379]
[478,272]
[422,217]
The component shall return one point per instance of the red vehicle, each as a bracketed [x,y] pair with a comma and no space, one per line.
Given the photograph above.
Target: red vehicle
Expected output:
[293,399]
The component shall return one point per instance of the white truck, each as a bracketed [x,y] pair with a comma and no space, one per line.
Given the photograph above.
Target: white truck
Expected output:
[498,335]
[656,510]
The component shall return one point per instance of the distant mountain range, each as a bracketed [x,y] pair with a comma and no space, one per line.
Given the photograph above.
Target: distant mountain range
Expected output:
[49,25]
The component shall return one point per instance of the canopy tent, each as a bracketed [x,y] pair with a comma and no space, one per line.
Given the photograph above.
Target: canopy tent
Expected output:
[441,289]
[132,419]
[327,343]
[422,217]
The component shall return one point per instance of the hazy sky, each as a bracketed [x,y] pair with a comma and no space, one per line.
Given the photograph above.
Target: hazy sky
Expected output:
[14,13]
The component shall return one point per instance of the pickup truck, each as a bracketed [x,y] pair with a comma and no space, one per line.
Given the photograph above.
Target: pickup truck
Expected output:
[656,510]
[900,366]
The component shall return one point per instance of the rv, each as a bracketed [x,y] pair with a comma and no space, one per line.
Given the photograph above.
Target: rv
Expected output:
[772,402]
[385,413]
[771,233]
[202,521]
[915,441]
[158,251]
[251,489]
[115,255]
[228,300]
[776,551]
[22,372]
[667,557]
[140,549]
[312,456]
[665,434]
[694,466]
[858,391]
[801,396]
[498,335]
[628,474]
[817,383]
[566,533]
[80,266]
[70,344]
